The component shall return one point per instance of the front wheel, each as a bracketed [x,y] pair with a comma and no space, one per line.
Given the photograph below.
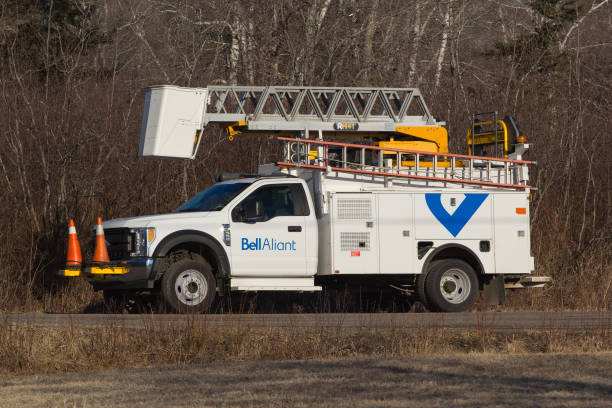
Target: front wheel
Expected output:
[189,286]
[452,286]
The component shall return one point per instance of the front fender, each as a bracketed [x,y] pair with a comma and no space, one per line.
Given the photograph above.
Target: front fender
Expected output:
[191,236]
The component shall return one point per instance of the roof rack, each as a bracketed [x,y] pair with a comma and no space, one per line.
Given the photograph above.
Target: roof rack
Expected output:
[405,164]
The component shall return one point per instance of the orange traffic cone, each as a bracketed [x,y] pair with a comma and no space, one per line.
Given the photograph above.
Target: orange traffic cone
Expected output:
[73,258]
[100,254]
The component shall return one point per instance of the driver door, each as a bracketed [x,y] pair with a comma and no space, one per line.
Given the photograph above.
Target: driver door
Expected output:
[268,230]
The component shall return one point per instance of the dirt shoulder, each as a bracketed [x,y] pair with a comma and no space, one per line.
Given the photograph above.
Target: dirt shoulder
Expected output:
[569,380]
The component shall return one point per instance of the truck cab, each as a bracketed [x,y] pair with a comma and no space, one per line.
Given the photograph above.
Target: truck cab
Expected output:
[254,233]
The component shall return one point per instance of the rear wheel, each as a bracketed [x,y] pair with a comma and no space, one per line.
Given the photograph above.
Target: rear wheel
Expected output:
[451,286]
[420,283]
[189,286]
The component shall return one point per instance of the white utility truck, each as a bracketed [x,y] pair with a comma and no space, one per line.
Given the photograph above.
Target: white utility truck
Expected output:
[393,207]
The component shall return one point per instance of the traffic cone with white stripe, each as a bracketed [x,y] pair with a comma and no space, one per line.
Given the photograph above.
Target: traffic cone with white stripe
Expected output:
[73,257]
[101,253]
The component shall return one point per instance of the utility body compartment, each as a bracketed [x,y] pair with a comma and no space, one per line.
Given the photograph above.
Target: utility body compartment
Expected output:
[384,231]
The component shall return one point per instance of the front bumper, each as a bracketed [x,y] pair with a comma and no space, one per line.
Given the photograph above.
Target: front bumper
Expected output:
[95,272]
[121,274]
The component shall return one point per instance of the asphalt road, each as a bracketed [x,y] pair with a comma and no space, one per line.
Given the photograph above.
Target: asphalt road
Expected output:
[477,320]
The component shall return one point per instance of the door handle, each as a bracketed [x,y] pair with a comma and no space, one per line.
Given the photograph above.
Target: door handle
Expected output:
[294,228]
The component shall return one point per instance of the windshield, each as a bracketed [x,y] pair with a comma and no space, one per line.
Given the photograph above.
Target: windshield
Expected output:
[213,198]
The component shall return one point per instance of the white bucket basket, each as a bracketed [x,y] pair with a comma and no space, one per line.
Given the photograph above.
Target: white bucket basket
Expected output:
[172,121]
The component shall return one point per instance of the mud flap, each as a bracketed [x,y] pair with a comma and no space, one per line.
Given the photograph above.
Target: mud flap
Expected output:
[494,291]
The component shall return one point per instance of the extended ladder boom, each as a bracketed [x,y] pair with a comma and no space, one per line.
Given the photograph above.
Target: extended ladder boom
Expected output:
[316,107]
[174,116]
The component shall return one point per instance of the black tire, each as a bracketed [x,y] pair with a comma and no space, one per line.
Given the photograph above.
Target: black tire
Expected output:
[420,283]
[188,286]
[451,286]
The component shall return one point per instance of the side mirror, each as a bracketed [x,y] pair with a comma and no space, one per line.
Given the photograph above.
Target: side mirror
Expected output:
[252,209]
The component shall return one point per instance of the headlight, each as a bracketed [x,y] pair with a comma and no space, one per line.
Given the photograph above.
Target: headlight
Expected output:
[141,239]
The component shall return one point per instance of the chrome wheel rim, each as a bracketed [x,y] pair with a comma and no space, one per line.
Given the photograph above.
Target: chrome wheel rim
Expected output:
[191,287]
[455,286]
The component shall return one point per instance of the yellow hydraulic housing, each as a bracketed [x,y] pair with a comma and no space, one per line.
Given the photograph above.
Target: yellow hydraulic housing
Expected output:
[429,139]
[425,139]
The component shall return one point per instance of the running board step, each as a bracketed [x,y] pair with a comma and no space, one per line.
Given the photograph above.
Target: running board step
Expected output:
[287,284]
[527,282]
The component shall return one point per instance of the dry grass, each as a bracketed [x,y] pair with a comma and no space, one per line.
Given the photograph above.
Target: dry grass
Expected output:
[468,380]
[35,350]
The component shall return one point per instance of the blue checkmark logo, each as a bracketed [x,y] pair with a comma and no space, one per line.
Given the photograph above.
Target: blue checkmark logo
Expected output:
[454,223]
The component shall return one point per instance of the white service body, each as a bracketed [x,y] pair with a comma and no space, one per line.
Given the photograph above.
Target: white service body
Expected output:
[354,227]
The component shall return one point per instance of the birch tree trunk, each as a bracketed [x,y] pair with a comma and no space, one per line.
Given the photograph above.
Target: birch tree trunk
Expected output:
[304,63]
[444,42]
[419,29]
[234,54]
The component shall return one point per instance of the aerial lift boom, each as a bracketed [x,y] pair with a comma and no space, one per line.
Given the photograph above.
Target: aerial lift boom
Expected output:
[396,121]
[387,117]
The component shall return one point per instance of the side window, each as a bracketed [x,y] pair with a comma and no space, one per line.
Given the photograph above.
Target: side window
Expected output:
[272,201]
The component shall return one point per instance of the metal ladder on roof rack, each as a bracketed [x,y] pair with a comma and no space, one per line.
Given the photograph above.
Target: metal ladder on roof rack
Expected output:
[409,164]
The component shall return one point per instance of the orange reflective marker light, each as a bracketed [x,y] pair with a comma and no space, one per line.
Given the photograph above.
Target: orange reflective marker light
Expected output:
[73,257]
[101,253]
[521,210]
